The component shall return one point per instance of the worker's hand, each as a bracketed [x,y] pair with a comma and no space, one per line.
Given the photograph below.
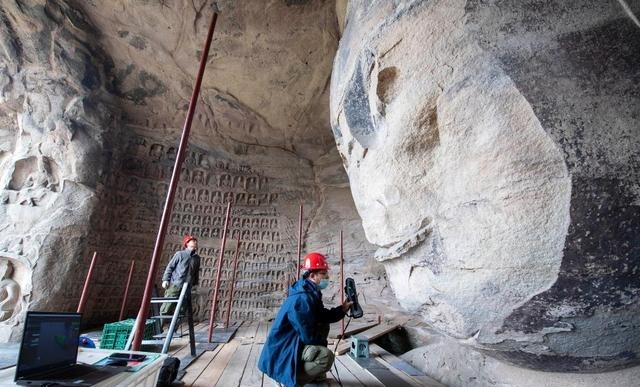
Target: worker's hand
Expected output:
[165,284]
[346,305]
[194,289]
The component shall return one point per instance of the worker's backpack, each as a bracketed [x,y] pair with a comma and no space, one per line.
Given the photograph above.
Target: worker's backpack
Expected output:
[168,372]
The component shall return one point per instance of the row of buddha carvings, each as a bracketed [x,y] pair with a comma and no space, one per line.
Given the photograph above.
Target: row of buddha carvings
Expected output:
[208,184]
[200,168]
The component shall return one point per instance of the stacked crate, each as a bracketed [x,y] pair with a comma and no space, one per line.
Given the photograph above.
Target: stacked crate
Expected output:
[115,335]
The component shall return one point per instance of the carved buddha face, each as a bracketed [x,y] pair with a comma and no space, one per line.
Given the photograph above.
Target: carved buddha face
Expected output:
[450,170]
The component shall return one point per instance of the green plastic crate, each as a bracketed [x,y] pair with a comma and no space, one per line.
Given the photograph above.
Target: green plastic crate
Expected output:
[115,335]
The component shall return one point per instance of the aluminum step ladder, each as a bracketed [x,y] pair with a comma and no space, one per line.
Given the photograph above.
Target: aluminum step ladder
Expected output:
[183,301]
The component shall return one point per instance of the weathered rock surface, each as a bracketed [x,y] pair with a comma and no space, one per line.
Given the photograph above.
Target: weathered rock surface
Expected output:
[455,365]
[59,127]
[493,151]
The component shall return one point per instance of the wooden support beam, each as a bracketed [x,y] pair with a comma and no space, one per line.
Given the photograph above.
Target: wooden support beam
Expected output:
[383,374]
[394,362]
[369,334]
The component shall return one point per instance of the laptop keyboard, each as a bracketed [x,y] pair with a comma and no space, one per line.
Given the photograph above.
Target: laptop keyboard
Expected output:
[73,372]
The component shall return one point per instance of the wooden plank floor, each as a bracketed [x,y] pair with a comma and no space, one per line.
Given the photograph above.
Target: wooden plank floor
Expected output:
[235,363]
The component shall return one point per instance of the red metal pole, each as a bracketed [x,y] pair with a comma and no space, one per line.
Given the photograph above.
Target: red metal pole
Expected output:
[341,281]
[126,290]
[298,263]
[286,280]
[233,281]
[175,178]
[85,288]
[217,285]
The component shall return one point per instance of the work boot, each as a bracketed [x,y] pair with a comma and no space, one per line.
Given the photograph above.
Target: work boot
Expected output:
[320,378]
[325,383]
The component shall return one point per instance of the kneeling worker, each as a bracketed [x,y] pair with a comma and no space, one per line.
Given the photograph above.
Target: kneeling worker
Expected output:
[295,352]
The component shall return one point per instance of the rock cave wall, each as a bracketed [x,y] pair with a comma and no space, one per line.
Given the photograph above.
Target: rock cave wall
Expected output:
[60,129]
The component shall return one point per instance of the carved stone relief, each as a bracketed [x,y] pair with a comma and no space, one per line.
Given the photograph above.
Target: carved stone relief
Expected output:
[15,291]
[207,184]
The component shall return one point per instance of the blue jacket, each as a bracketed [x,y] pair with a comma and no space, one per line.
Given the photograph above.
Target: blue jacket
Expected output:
[302,320]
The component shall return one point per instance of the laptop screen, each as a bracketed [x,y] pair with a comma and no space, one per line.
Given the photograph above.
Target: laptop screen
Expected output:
[49,341]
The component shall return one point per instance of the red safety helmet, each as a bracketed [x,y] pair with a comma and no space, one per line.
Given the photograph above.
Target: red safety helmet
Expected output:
[187,239]
[315,261]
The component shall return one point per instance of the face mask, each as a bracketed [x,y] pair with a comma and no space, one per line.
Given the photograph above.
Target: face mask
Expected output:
[323,283]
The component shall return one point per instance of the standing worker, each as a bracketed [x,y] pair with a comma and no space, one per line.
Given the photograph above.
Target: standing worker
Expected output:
[295,352]
[183,267]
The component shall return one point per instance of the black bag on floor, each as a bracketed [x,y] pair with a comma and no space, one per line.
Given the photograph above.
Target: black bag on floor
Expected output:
[168,372]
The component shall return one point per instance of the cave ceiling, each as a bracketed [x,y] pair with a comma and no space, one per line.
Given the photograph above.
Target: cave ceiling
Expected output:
[266,78]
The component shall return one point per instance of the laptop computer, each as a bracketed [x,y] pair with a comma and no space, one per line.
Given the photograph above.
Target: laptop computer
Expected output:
[49,353]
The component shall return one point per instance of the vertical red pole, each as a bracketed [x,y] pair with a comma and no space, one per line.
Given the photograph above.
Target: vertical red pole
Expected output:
[286,280]
[126,291]
[214,300]
[341,282]
[85,288]
[233,281]
[298,263]
[175,178]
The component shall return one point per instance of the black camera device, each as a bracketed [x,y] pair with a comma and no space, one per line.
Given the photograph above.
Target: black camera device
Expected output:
[352,295]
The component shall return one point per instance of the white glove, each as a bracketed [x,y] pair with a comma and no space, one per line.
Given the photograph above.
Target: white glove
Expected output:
[165,284]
